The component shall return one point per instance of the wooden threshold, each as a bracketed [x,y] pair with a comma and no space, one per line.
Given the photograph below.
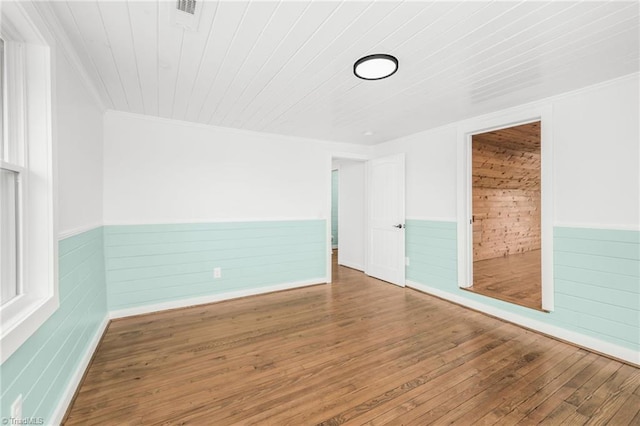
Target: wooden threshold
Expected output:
[524,305]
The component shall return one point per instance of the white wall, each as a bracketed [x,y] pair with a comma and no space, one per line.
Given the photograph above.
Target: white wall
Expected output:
[596,160]
[430,180]
[165,171]
[79,151]
[351,213]
[597,151]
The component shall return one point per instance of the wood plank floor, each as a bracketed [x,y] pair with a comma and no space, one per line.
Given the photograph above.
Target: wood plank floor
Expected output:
[358,351]
[515,278]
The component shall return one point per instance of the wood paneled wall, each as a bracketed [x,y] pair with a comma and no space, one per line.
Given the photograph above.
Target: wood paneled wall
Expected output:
[506,191]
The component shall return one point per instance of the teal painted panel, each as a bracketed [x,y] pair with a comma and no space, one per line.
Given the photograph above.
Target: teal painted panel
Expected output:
[600,309]
[334,207]
[43,366]
[263,244]
[598,263]
[209,226]
[156,236]
[158,263]
[596,273]
[118,262]
[605,295]
[268,274]
[445,256]
[588,322]
[597,278]
[436,263]
[430,233]
[199,289]
[431,249]
[600,235]
[205,266]
[622,250]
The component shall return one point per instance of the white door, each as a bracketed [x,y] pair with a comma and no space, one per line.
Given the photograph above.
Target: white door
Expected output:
[385,248]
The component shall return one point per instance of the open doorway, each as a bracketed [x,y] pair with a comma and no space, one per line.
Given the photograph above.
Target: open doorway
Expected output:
[506,214]
[347,213]
[335,191]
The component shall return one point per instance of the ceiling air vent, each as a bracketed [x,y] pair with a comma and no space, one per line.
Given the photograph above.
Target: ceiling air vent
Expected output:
[187,6]
[186,13]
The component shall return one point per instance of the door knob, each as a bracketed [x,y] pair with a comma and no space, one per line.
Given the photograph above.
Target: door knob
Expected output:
[399,226]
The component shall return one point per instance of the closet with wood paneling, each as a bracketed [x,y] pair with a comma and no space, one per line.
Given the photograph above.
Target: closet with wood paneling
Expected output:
[506,177]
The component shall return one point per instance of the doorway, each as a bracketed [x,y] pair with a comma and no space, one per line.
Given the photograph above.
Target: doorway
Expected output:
[370,216]
[335,180]
[347,227]
[506,214]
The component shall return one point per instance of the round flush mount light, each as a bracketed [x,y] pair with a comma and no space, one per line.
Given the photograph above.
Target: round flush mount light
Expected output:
[375,67]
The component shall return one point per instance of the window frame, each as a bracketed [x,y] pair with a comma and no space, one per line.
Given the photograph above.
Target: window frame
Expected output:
[17,243]
[29,130]
[13,134]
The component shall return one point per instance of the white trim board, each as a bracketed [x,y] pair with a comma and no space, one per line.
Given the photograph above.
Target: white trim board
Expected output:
[213,220]
[77,231]
[211,298]
[613,227]
[626,354]
[74,383]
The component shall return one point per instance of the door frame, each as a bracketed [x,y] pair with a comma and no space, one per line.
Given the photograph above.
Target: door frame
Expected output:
[464,191]
[329,168]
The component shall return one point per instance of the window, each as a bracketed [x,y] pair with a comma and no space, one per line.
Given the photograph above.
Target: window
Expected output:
[28,250]
[9,205]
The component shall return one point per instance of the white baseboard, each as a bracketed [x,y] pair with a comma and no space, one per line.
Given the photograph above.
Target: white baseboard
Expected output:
[70,390]
[351,265]
[588,342]
[201,300]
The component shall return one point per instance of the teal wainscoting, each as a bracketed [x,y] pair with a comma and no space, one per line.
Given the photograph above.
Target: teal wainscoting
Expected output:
[596,278]
[43,367]
[150,265]
[335,176]
[431,249]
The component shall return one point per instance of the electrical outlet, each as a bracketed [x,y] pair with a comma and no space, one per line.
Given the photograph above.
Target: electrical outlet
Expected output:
[16,408]
[217,272]
[406,261]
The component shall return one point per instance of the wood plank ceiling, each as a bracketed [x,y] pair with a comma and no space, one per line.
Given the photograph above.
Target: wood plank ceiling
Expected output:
[286,67]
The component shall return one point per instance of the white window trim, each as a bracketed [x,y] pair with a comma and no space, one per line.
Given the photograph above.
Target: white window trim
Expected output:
[33,118]
[492,122]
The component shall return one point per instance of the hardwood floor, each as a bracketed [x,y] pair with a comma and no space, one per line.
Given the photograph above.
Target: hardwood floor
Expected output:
[359,351]
[515,278]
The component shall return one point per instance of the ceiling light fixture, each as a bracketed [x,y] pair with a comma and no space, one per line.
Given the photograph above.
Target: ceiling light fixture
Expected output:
[375,67]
